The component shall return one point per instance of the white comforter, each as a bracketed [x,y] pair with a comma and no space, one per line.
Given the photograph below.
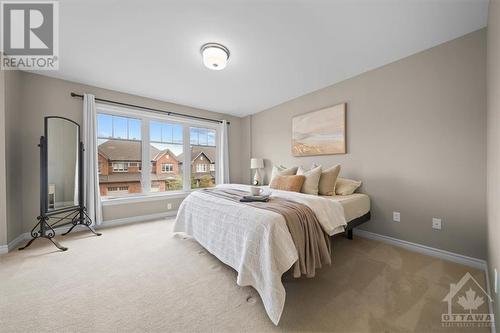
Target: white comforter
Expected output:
[255,242]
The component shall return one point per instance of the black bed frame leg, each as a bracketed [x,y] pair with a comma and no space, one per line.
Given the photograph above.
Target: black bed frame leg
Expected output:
[348,234]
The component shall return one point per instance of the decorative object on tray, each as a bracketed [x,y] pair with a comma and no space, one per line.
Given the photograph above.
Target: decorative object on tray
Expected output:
[319,132]
[256,190]
[253,198]
[257,164]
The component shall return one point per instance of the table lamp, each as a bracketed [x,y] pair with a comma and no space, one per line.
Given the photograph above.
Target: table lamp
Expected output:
[257,163]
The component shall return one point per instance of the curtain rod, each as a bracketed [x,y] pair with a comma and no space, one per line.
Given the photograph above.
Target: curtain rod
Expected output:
[149,109]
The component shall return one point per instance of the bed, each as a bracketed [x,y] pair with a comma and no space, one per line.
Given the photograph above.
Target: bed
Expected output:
[356,210]
[256,242]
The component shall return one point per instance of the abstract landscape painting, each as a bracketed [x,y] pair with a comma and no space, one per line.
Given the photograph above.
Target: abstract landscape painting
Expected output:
[319,132]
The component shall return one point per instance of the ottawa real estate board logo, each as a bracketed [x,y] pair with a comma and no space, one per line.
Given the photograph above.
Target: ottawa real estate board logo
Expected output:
[30,35]
[468,305]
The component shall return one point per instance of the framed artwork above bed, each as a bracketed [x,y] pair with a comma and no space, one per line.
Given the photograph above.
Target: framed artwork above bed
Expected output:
[320,132]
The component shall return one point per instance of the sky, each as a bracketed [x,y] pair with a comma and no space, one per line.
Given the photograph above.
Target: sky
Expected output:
[162,135]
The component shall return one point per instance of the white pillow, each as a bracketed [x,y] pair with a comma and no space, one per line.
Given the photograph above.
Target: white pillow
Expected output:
[346,186]
[328,179]
[311,183]
[280,170]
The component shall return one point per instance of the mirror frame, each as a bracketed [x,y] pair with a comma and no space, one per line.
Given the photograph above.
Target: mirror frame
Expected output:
[44,175]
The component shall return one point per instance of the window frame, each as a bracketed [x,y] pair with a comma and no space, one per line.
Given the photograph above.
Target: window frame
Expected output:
[145,117]
[202,168]
[124,165]
[168,166]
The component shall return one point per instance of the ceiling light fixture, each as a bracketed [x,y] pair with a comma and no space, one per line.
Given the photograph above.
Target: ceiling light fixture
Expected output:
[215,56]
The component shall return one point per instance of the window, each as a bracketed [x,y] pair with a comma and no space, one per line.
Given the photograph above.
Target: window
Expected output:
[166,167]
[114,190]
[114,127]
[201,167]
[120,167]
[203,155]
[167,146]
[141,152]
[120,154]
[202,136]
[155,187]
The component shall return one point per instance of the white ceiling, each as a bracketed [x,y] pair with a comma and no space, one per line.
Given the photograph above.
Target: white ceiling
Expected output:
[279,49]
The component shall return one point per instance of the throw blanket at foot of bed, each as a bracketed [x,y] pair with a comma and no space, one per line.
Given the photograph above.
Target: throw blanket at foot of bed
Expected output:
[311,242]
[256,242]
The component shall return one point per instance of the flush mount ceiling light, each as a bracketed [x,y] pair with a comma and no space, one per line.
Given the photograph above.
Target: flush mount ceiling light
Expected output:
[215,56]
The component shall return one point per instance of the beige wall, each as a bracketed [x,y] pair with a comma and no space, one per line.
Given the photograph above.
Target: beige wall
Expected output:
[10,157]
[43,96]
[13,155]
[493,162]
[154,207]
[246,148]
[3,189]
[415,137]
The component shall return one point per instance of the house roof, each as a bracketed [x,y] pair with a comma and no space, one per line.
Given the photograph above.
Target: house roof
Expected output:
[123,150]
[162,153]
[209,152]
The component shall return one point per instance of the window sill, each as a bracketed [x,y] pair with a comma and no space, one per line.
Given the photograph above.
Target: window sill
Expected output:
[145,198]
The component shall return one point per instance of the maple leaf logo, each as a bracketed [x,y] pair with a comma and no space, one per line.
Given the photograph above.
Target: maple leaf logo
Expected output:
[470,301]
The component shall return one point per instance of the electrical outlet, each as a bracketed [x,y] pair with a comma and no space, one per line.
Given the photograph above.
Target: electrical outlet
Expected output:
[396,216]
[436,223]
[169,206]
[495,283]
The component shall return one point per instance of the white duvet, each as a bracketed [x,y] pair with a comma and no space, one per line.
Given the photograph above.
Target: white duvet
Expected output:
[253,241]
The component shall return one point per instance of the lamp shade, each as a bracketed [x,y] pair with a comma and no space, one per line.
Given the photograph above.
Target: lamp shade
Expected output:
[256,163]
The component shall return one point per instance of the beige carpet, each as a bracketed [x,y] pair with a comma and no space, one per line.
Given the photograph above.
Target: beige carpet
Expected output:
[141,278]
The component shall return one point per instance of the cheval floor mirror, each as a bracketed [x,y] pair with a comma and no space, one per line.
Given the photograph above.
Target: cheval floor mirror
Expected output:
[61,181]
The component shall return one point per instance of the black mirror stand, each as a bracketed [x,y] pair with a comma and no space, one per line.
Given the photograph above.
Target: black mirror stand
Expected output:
[75,215]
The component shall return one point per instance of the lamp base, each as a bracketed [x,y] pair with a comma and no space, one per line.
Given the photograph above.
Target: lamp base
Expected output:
[257,178]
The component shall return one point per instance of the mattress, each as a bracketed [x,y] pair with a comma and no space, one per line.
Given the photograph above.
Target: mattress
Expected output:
[355,205]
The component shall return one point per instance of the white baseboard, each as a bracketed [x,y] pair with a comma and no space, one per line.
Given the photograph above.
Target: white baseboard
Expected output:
[110,223]
[488,290]
[13,244]
[427,250]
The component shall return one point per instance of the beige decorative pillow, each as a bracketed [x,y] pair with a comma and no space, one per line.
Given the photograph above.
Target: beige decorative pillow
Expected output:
[346,186]
[328,179]
[287,183]
[282,171]
[311,182]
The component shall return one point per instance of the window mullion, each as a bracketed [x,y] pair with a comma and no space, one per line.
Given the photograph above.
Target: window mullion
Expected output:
[146,163]
[186,163]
